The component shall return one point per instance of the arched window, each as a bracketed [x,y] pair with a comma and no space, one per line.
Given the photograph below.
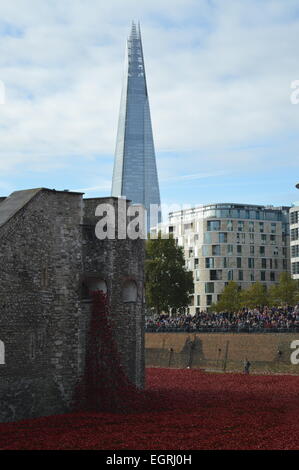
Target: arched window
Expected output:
[129,291]
[97,284]
[2,353]
[93,284]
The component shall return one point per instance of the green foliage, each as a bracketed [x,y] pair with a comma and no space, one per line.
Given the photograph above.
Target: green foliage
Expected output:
[168,283]
[286,292]
[254,296]
[230,300]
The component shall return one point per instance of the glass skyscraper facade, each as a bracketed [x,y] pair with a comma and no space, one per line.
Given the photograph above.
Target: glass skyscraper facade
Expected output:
[135,172]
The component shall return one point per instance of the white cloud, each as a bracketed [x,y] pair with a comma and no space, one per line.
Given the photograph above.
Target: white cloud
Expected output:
[219,77]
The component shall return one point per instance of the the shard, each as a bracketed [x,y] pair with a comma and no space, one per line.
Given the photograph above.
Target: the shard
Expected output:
[135,172]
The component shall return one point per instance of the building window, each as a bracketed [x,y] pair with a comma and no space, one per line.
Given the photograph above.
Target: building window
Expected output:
[45,277]
[273,228]
[222,237]
[209,263]
[213,225]
[294,217]
[216,250]
[251,238]
[229,225]
[263,275]
[230,275]
[32,346]
[272,239]
[294,234]
[263,239]
[230,249]
[239,262]
[209,287]
[225,262]
[209,299]
[240,275]
[251,250]
[205,250]
[216,275]
[262,250]
[276,264]
[261,225]
[251,226]
[197,275]
[239,249]
[264,263]
[295,267]
[129,291]
[251,276]
[207,238]
[90,285]
[198,299]
[251,263]
[295,251]
[240,226]
[196,263]
[170,229]
[272,276]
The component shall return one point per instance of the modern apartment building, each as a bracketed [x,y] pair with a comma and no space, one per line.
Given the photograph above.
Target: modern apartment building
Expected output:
[294,231]
[225,242]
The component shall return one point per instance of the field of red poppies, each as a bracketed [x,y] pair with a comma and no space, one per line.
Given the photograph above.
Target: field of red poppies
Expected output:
[182,409]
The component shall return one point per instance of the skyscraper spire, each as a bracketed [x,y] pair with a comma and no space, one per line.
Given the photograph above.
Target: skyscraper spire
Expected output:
[135,173]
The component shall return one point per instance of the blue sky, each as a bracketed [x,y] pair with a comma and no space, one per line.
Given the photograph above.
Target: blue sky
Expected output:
[219,76]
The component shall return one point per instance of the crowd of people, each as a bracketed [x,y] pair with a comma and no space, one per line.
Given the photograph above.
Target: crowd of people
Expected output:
[246,320]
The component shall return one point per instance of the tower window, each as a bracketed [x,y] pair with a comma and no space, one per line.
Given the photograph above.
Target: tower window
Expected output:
[129,291]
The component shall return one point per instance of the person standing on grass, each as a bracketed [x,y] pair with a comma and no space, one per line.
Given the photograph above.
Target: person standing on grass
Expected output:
[247,365]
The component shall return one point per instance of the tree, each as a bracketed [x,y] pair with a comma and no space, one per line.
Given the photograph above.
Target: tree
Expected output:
[230,300]
[286,292]
[254,295]
[168,283]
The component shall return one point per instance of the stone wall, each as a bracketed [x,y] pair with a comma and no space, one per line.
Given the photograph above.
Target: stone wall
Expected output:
[118,262]
[222,351]
[40,259]
[46,251]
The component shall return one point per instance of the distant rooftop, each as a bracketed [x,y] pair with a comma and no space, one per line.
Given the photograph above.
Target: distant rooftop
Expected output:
[231,205]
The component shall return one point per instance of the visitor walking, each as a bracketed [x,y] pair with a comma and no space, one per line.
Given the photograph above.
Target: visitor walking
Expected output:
[247,365]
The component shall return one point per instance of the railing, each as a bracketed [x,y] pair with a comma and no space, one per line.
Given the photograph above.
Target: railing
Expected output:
[231,329]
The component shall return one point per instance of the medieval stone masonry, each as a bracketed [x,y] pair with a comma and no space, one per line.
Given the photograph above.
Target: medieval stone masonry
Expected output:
[50,262]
